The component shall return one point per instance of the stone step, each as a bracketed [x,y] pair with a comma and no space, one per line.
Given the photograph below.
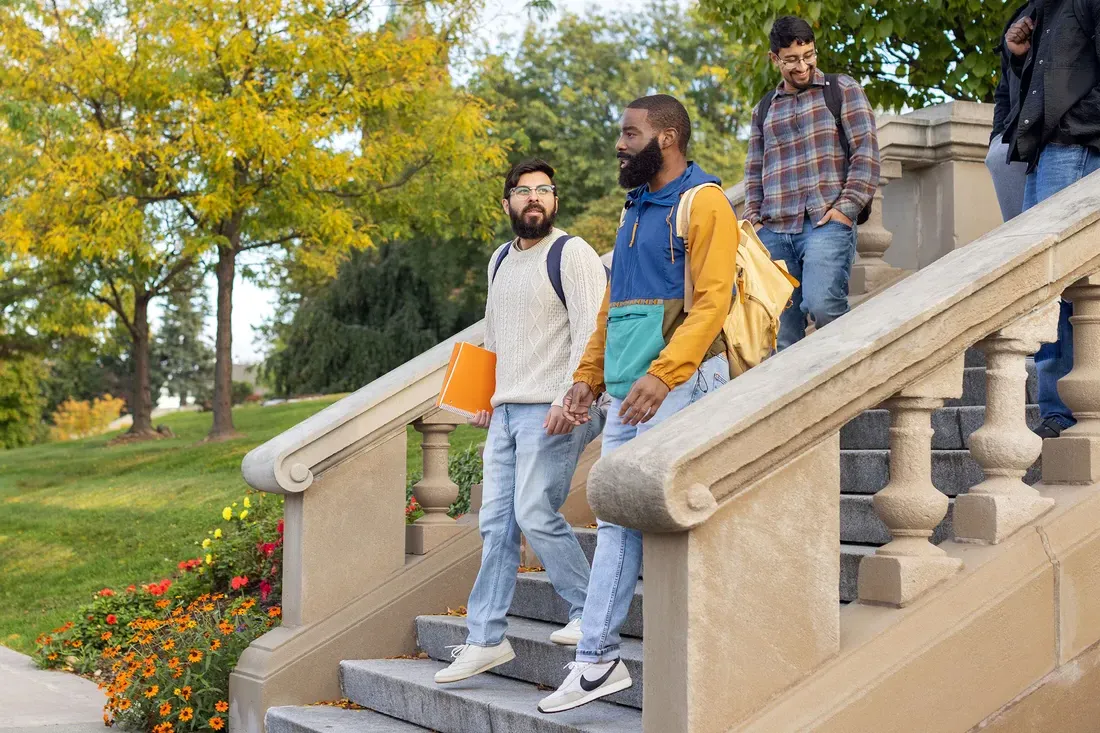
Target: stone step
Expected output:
[953,471]
[536,599]
[850,555]
[538,660]
[952,428]
[975,357]
[325,719]
[974,386]
[587,537]
[404,689]
[860,525]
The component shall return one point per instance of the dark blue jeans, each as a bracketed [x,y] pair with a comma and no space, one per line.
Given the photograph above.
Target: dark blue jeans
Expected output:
[821,258]
[1059,166]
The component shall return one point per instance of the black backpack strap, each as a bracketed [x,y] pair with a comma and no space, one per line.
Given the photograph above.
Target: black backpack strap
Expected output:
[500,259]
[834,100]
[765,107]
[553,266]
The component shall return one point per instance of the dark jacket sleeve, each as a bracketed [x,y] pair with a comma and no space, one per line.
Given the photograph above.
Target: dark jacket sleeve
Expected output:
[1001,102]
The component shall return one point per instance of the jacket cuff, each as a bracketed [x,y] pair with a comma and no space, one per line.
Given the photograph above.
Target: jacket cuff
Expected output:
[596,385]
[667,378]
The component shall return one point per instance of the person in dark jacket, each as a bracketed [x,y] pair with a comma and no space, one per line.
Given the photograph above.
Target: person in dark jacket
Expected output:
[1008,177]
[1055,130]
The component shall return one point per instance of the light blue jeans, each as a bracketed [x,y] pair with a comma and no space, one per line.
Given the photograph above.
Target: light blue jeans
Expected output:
[1059,166]
[525,481]
[821,258]
[618,558]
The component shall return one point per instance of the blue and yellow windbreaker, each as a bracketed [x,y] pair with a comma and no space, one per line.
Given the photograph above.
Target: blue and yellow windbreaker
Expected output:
[642,327]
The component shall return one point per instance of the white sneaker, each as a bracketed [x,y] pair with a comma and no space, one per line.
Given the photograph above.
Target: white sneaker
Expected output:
[470,660]
[587,682]
[568,635]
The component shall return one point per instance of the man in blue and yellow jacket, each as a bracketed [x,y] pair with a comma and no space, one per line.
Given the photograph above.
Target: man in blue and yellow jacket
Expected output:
[653,356]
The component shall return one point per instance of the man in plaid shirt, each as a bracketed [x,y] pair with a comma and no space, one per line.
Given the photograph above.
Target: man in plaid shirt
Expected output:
[803,192]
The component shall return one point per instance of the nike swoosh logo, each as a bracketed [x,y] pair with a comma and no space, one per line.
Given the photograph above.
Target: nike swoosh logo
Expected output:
[589,685]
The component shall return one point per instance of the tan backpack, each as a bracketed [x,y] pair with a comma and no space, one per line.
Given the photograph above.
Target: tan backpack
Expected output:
[764,289]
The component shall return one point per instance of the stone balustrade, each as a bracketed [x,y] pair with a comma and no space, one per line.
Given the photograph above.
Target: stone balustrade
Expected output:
[737,495]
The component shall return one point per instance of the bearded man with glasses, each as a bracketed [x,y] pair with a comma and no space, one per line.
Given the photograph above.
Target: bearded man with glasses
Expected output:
[811,170]
[545,291]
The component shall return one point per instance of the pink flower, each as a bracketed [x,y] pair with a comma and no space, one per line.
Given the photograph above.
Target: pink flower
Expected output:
[239,582]
[279,527]
[265,590]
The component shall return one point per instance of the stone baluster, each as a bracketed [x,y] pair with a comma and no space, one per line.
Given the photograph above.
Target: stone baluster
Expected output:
[910,506]
[871,270]
[1074,457]
[1004,446]
[435,492]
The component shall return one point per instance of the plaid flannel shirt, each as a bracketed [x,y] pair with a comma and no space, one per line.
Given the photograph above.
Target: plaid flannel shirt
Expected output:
[795,165]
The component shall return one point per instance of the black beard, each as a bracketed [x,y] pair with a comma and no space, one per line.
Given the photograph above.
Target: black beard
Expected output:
[538,231]
[642,167]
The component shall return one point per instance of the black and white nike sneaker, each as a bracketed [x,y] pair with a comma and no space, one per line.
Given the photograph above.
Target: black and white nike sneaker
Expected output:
[587,682]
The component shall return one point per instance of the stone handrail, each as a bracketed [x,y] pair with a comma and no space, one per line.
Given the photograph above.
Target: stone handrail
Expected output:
[287,463]
[673,478]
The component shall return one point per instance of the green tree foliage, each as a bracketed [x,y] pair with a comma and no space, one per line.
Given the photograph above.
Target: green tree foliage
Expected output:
[21,400]
[384,307]
[906,53]
[561,93]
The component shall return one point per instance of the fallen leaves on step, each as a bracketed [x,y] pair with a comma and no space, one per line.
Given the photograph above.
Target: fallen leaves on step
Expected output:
[590,526]
[531,569]
[418,655]
[343,703]
[460,611]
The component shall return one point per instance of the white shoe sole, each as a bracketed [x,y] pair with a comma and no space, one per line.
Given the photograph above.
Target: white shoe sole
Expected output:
[495,663]
[596,694]
[565,640]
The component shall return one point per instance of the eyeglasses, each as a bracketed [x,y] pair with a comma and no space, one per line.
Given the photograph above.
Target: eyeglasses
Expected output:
[524,191]
[794,63]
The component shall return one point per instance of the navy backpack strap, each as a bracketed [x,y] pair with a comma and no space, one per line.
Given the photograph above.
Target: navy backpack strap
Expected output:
[553,266]
[500,258]
[765,107]
[834,100]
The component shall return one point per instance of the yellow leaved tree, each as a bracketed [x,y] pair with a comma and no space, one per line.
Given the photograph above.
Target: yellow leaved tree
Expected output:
[145,138]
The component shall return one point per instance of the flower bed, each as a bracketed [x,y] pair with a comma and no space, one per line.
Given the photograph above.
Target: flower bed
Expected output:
[163,651]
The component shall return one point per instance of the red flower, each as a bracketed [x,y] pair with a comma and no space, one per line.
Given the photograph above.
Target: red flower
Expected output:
[239,582]
[106,592]
[279,527]
[112,619]
[265,590]
[268,548]
[131,588]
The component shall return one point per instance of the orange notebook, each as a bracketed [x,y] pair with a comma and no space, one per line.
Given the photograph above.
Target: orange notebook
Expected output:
[470,380]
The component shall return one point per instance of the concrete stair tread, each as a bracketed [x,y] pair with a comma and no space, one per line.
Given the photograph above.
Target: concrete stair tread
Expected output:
[538,660]
[487,703]
[326,719]
[536,599]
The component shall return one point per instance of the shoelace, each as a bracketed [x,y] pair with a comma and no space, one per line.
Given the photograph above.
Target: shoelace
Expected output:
[457,649]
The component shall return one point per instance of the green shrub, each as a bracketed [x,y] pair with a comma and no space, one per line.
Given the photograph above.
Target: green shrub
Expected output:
[465,469]
[240,391]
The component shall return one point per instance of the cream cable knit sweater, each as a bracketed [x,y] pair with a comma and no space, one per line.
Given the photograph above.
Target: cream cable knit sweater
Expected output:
[537,340]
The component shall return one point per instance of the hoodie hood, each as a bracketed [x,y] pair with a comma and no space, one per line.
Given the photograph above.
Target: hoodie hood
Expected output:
[669,194]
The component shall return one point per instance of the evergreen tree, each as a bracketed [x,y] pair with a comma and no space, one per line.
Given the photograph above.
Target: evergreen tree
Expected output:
[182,360]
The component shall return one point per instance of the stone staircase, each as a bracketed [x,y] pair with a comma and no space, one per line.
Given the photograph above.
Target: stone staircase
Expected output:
[401,695]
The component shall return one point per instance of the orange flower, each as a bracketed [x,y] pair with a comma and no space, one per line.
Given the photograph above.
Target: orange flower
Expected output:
[216,723]
[165,709]
[164,727]
[163,603]
[124,704]
[77,644]
[173,662]
[226,628]
[215,645]
[275,612]
[194,656]
[152,692]
[148,672]
[208,607]
[51,657]
[168,645]
[178,674]
[185,693]
[248,603]
[106,636]
[221,706]
[186,714]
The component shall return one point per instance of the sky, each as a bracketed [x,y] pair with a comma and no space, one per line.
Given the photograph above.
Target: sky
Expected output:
[252,304]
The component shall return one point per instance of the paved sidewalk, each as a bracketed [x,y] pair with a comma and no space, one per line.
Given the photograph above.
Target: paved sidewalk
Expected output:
[37,701]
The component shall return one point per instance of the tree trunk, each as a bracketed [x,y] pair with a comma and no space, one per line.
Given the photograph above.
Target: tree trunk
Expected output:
[141,399]
[223,347]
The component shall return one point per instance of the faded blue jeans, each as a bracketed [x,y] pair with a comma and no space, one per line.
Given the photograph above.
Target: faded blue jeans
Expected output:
[1059,166]
[618,558]
[525,481]
[821,258]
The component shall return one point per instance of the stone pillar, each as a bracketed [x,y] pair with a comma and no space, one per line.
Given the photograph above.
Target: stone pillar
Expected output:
[910,506]
[870,271]
[1004,446]
[1074,457]
[435,492]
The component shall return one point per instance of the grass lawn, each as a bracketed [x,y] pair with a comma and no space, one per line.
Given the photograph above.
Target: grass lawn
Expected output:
[80,516]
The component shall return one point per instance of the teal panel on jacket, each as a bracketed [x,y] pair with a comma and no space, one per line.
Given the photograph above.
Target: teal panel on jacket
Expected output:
[635,337]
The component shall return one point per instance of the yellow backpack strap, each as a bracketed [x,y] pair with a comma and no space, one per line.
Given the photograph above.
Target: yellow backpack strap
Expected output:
[683,223]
